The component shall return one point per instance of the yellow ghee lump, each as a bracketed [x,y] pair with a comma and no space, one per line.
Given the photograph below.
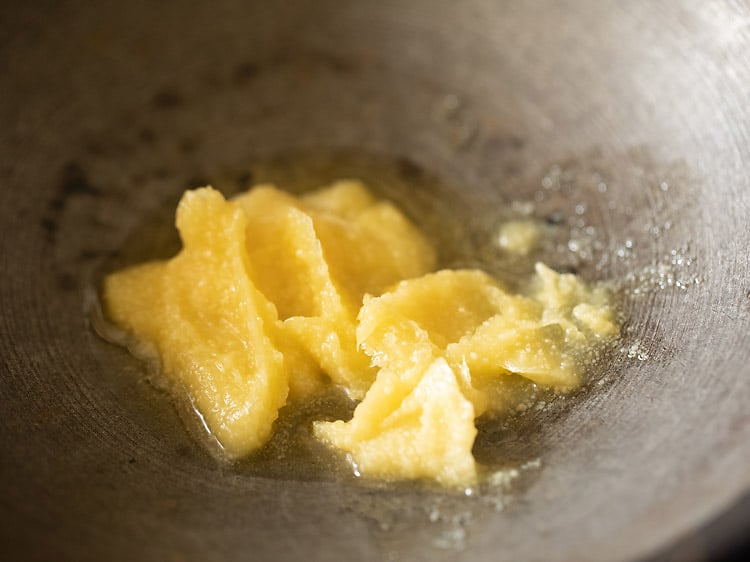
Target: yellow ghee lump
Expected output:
[519,236]
[208,322]
[274,297]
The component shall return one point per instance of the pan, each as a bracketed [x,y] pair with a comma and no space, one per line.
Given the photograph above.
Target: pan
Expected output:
[625,126]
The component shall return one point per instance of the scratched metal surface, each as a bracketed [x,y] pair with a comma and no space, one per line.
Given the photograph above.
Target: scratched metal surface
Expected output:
[109,110]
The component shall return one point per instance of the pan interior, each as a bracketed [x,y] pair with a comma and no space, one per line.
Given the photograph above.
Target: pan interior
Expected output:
[622,126]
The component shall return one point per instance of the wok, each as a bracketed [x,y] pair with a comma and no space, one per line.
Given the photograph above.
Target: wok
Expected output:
[633,116]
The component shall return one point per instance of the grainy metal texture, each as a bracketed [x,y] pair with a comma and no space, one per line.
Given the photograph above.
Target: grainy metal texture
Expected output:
[110,109]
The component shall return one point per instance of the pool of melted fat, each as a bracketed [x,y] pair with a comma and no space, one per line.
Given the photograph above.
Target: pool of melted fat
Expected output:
[462,240]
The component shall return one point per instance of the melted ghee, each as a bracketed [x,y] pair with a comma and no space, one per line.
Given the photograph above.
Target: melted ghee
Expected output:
[274,298]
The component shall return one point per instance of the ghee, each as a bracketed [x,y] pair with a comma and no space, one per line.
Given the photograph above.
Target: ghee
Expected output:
[274,297]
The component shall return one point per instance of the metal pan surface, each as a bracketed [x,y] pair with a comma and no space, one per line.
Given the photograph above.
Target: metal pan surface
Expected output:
[633,116]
